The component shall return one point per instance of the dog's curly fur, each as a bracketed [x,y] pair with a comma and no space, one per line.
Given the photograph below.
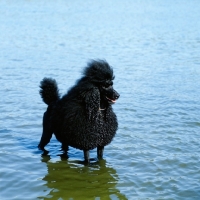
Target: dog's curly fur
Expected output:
[83,118]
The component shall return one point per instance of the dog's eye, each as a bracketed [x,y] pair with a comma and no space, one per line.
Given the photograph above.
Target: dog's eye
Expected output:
[106,86]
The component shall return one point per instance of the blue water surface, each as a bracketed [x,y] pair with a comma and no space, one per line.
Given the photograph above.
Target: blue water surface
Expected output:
[154,48]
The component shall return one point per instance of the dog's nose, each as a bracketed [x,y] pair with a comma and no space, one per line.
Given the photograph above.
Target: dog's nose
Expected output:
[116,95]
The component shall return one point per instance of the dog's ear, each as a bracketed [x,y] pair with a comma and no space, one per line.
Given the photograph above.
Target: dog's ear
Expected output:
[92,102]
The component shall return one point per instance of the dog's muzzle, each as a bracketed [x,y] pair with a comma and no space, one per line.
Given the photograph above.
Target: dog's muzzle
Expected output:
[114,98]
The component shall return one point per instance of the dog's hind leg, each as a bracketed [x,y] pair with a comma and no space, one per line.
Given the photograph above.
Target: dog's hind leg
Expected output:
[100,152]
[86,156]
[47,132]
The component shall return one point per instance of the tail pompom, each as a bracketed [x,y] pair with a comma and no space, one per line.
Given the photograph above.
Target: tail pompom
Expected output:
[49,90]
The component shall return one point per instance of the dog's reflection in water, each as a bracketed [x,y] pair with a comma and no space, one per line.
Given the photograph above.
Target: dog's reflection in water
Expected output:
[75,180]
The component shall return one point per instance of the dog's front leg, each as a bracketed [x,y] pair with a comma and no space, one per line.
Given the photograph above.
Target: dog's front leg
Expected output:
[100,152]
[86,156]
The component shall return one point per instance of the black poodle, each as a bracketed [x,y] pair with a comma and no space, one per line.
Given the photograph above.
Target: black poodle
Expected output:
[83,118]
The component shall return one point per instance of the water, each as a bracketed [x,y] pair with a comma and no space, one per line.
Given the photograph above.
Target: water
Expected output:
[154,48]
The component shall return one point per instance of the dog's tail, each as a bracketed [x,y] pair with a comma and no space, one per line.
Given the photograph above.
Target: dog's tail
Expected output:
[49,90]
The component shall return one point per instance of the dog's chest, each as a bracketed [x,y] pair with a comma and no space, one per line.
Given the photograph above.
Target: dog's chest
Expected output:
[104,117]
[101,114]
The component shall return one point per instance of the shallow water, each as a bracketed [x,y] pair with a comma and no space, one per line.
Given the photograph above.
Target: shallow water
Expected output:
[154,48]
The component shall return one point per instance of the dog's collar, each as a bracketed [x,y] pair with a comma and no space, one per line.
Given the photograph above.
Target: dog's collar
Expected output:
[101,108]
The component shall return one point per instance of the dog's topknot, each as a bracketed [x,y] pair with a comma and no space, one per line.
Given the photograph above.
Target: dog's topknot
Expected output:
[98,71]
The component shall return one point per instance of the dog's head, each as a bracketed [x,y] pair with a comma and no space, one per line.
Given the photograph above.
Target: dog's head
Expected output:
[101,74]
[107,92]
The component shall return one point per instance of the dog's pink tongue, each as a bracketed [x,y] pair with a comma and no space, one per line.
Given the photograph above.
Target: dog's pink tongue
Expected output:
[113,101]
